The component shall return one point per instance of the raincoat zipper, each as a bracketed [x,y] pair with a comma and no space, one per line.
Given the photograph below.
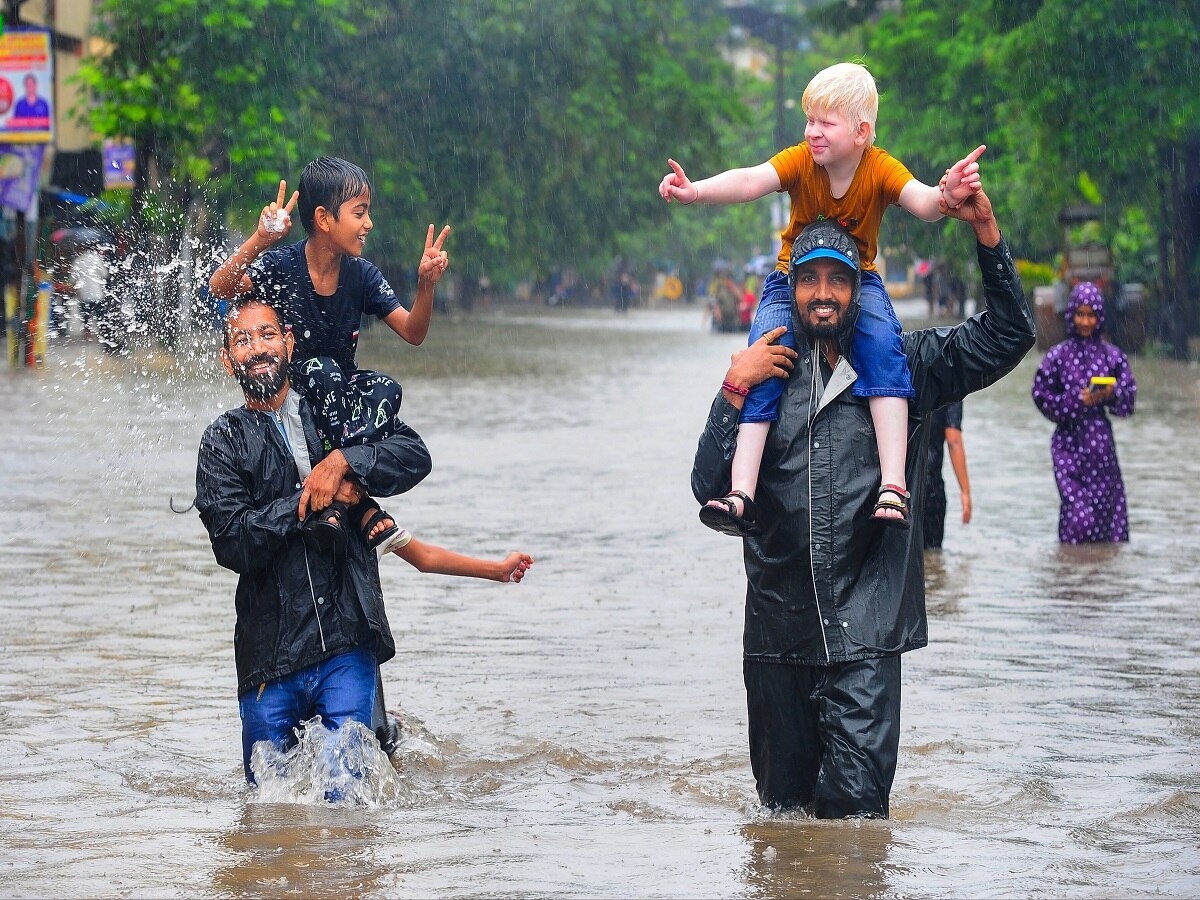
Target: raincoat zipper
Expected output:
[812,564]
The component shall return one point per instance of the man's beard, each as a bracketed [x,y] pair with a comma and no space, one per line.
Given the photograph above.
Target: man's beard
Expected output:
[267,385]
[820,330]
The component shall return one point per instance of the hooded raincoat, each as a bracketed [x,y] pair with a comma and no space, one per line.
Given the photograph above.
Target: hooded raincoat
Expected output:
[295,606]
[826,583]
[832,594]
[1082,449]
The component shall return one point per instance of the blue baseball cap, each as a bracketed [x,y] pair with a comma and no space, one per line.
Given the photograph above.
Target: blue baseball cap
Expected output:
[827,253]
[824,239]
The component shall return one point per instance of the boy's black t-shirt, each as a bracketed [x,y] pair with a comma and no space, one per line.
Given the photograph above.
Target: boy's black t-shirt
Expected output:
[322,325]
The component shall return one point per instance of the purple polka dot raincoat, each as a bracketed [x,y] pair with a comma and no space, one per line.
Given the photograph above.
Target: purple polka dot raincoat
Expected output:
[1082,448]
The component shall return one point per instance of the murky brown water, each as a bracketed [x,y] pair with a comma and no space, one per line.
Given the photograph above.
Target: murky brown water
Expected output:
[584,733]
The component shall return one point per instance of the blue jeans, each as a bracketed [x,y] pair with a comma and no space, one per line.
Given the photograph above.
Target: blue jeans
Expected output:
[876,352]
[340,689]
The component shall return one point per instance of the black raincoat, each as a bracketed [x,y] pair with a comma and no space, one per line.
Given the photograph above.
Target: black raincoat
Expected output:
[826,584]
[295,607]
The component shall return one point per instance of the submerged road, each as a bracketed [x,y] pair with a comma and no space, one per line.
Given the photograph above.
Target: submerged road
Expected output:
[583,734]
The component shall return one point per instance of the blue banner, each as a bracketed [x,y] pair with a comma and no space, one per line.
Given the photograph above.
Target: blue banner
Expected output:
[20,170]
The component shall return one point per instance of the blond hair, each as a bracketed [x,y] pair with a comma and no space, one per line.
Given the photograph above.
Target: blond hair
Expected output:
[846,88]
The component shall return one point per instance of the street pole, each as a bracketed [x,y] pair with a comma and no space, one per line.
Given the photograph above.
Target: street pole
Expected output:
[13,316]
[781,141]
[769,22]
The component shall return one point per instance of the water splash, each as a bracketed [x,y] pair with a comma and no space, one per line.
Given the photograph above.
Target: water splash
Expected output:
[342,767]
[131,291]
[135,332]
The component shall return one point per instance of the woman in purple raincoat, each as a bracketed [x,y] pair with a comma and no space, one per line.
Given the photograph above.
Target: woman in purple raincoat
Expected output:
[1082,449]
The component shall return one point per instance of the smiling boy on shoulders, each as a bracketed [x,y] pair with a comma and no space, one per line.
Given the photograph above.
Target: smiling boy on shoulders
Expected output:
[321,288]
[837,175]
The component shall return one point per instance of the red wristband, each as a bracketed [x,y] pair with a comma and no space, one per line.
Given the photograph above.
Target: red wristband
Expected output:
[734,389]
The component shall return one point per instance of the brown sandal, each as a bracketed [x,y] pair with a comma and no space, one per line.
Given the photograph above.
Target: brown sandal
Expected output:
[724,518]
[901,504]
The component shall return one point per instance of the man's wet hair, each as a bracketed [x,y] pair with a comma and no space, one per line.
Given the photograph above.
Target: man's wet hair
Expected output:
[235,310]
[329,182]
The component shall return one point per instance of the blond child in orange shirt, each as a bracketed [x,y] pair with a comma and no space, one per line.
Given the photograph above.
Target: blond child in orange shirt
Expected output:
[837,173]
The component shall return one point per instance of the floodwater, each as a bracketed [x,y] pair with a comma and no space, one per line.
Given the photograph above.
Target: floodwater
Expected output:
[583,733]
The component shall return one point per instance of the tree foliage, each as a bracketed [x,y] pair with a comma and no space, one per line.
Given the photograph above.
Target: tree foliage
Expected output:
[539,129]
[1058,89]
[1109,87]
[211,91]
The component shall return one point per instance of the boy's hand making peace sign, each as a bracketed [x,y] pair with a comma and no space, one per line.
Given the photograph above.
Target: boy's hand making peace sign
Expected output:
[276,219]
[434,260]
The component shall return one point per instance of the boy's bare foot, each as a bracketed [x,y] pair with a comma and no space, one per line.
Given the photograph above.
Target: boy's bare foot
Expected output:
[377,528]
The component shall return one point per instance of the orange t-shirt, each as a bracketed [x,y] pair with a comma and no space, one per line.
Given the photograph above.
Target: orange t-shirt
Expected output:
[876,185]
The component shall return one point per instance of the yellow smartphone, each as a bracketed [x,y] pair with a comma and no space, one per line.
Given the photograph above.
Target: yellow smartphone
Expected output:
[1099,382]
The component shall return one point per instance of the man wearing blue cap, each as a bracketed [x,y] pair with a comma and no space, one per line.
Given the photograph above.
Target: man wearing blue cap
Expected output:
[833,598]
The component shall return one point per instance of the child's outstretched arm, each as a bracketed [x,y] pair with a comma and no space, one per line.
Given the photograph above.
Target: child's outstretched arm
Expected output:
[230,279]
[413,325]
[961,181]
[730,186]
[436,560]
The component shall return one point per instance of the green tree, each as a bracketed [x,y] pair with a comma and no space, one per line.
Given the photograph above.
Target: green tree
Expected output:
[1058,89]
[939,99]
[212,92]
[1109,87]
[539,130]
